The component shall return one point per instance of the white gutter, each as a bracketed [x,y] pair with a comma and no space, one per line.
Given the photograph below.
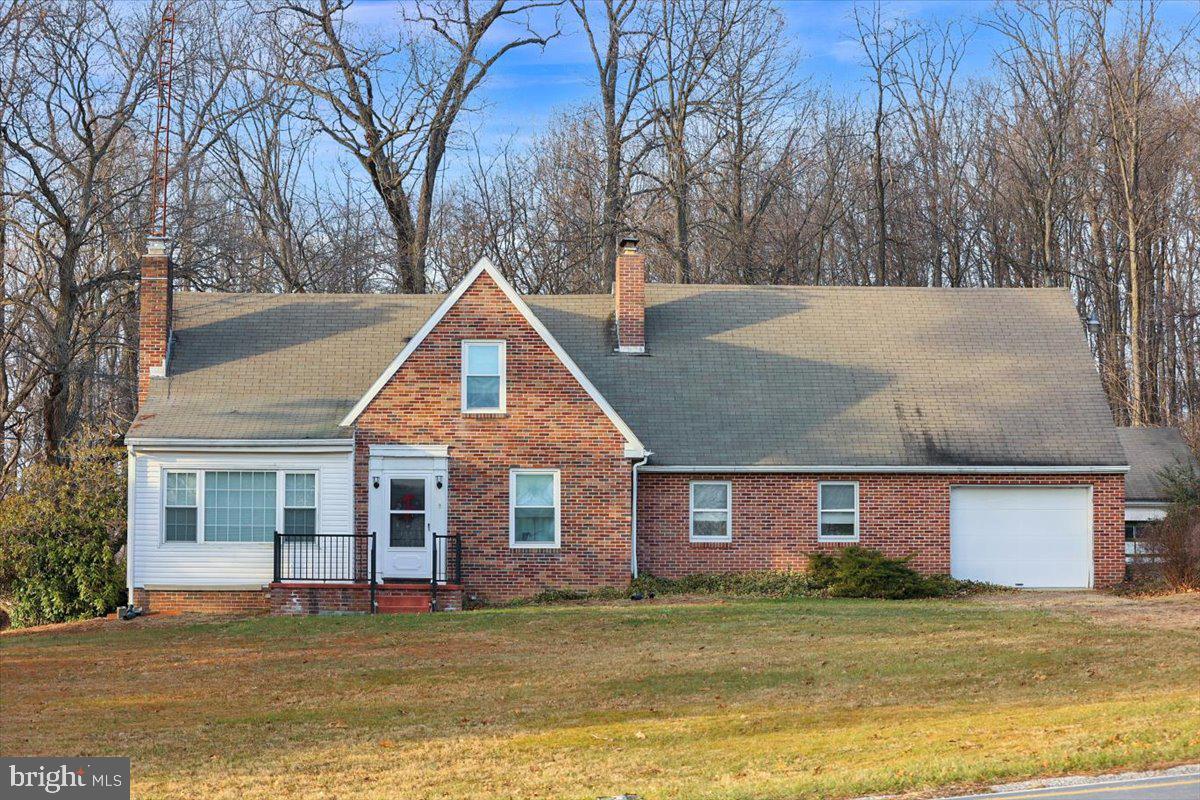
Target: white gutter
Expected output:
[233,445]
[633,564]
[950,470]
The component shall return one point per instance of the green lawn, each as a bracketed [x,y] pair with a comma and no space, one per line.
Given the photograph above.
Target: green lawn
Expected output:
[745,699]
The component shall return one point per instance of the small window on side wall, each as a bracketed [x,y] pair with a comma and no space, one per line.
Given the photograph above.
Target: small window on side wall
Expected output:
[180,501]
[711,511]
[483,377]
[837,512]
[534,508]
[300,503]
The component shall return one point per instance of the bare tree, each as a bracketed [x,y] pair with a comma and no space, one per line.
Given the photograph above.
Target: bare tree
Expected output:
[882,40]
[620,52]
[688,39]
[399,129]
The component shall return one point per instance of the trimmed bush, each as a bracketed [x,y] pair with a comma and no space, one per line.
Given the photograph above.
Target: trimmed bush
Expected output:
[60,536]
[862,572]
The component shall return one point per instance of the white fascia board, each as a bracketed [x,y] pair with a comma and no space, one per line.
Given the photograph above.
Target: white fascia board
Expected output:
[241,445]
[411,450]
[951,470]
[480,268]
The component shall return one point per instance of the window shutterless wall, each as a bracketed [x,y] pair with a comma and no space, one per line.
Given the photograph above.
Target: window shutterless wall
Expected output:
[155,562]
[775,519]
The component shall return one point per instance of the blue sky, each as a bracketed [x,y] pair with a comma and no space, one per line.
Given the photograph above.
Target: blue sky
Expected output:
[530,84]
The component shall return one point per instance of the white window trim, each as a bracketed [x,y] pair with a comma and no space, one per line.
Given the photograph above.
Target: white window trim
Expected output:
[512,510]
[200,473]
[503,407]
[692,537]
[162,507]
[281,497]
[821,537]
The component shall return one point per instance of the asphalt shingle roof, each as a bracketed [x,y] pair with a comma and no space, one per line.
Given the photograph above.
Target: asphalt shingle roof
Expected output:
[733,375]
[1149,451]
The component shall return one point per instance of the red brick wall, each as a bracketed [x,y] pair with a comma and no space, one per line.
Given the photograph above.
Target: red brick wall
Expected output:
[630,292]
[775,520]
[179,601]
[550,423]
[307,598]
[154,318]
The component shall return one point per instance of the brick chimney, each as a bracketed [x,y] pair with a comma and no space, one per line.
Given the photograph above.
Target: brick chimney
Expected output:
[630,291]
[154,315]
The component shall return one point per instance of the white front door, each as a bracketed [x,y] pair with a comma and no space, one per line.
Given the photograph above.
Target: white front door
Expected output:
[1029,536]
[407,509]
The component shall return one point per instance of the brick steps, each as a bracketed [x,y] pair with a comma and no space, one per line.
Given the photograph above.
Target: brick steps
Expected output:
[410,598]
[402,601]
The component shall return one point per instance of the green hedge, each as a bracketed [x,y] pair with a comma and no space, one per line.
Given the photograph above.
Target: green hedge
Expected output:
[850,572]
[60,536]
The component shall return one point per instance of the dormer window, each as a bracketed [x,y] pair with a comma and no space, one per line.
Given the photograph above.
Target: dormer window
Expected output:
[483,390]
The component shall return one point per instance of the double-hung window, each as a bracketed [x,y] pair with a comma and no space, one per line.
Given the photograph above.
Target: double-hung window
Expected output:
[837,511]
[711,511]
[483,378]
[534,508]
[300,503]
[181,513]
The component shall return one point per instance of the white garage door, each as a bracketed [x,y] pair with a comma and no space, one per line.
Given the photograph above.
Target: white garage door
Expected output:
[1021,536]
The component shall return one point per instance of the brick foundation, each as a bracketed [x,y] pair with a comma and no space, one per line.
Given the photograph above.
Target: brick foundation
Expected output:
[202,601]
[291,599]
[320,598]
[775,520]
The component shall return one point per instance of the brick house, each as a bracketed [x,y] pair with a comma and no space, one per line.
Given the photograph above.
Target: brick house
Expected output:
[341,452]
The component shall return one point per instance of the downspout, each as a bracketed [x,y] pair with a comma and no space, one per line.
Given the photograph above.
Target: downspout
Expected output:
[130,505]
[633,564]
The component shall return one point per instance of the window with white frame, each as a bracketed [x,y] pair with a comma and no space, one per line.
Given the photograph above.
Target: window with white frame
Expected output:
[711,511]
[235,506]
[300,503]
[837,510]
[534,508]
[239,506]
[483,379]
[180,507]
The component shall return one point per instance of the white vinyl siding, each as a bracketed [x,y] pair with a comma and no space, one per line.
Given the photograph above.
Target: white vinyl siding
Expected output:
[837,511]
[157,561]
[711,510]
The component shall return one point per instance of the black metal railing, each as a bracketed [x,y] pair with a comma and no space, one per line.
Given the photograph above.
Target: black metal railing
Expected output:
[326,558]
[446,563]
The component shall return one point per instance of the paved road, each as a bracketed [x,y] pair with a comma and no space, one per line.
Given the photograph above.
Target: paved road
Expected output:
[1163,787]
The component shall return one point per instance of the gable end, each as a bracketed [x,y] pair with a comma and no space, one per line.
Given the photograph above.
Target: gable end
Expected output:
[633,446]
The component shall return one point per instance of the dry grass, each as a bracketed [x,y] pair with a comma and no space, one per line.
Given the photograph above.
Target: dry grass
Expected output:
[762,699]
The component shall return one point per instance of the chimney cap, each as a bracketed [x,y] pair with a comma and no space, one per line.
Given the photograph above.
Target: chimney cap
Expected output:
[156,245]
[628,241]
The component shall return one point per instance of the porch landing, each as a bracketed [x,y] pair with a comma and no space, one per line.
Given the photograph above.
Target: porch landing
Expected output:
[300,597]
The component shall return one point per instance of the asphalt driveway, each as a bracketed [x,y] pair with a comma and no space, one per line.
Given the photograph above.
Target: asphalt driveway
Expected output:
[1161,787]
